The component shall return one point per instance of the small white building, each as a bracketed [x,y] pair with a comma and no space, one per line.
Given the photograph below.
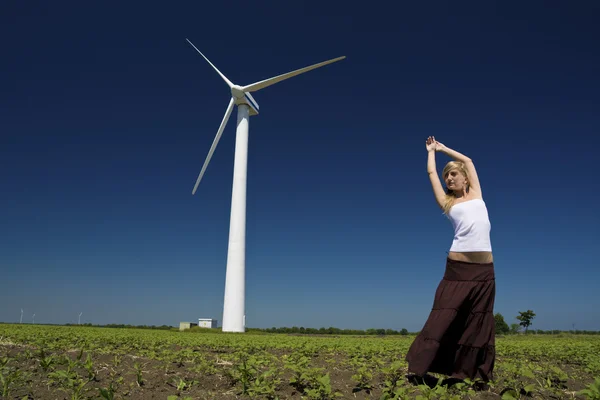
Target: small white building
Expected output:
[207,323]
[186,325]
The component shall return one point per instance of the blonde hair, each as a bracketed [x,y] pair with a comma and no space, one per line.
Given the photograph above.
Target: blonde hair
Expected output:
[450,197]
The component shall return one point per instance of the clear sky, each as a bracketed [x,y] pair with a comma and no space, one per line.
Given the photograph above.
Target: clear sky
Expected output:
[107,114]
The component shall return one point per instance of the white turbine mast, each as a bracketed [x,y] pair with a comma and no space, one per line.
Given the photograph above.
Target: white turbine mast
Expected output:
[234,302]
[21,321]
[33,319]
[79,320]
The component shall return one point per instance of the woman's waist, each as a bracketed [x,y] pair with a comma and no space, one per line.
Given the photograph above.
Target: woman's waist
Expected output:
[469,267]
[479,257]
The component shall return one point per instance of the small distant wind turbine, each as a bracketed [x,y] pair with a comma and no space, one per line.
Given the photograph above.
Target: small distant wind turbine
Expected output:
[79,321]
[234,302]
[33,318]
[21,321]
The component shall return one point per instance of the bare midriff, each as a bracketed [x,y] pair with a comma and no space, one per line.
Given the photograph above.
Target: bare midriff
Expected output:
[472,256]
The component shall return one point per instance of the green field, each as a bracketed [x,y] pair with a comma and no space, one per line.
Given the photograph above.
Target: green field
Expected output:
[60,362]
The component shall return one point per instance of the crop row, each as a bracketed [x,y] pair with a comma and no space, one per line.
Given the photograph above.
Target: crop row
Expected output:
[120,363]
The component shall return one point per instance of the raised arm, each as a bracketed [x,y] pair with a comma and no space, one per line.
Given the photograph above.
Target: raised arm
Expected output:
[438,190]
[473,178]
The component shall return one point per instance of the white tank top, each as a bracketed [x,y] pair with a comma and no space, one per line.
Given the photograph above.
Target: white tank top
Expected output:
[471,226]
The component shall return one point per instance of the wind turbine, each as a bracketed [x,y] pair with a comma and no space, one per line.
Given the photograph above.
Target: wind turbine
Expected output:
[33,319]
[79,321]
[21,321]
[234,302]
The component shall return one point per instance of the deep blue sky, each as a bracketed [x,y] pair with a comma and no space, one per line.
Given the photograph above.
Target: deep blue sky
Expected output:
[107,114]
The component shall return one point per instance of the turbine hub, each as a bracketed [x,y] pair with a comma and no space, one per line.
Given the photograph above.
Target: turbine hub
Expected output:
[237,92]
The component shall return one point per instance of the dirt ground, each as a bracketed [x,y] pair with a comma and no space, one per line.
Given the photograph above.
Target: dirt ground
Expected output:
[71,375]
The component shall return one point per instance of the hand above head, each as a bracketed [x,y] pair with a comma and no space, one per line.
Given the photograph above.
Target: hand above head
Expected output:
[440,146]
[430,144]
[433,145]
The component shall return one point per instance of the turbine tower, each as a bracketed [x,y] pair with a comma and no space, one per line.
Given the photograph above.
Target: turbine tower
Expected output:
[235,290]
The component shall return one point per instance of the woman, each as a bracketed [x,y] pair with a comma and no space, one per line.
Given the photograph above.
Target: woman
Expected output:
[458,338]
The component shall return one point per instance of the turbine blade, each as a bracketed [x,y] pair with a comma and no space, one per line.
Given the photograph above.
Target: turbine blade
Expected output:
[268,82]
[219,72]
[252,100]
[215,142]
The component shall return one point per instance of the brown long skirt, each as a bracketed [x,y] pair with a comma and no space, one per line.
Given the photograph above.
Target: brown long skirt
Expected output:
[458,338]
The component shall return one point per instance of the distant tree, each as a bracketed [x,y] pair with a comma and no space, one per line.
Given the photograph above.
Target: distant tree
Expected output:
[526,317]
[501,325]
[404,331]
[514,328]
